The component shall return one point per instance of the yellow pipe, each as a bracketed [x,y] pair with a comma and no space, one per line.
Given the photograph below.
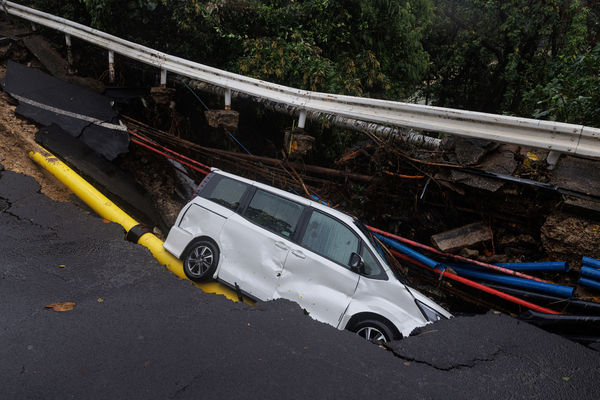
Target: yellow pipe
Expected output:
[108,210]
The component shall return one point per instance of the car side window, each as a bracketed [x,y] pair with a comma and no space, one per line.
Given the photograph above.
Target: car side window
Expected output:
[330,238]
[372,267]
[226,192]
[274,213]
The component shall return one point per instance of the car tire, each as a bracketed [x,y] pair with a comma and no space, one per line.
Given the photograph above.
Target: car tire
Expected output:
[374,331]
[200,260]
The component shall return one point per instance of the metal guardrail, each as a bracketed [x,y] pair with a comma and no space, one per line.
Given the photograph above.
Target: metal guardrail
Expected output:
[555,136]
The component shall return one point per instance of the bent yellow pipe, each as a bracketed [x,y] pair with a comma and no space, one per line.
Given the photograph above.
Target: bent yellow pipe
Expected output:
[108,210]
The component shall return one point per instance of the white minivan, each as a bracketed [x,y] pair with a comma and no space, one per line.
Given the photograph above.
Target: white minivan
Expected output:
[268,244]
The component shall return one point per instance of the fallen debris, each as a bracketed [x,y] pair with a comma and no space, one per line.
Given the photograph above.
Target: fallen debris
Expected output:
[62,306]
[226,119]
[82,113]
[464,236]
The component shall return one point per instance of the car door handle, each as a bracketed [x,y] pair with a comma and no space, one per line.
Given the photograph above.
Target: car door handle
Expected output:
[298,254]
[281,245]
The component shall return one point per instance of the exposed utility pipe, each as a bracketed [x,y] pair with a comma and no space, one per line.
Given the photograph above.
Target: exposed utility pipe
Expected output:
[550,288]
[475,285]
[570,304]
[455,256]
[589,283]
[591,273]
[382,131]
[529,267]
[108,210]
[590,262]
[536,266]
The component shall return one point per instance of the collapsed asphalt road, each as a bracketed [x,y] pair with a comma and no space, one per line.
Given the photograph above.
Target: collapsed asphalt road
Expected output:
[138,332]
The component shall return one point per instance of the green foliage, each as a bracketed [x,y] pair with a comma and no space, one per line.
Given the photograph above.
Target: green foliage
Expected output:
[487,53]
[573,94]
[370,48]
[533,58]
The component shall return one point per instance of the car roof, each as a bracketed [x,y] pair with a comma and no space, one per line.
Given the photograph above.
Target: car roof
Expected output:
[302,200]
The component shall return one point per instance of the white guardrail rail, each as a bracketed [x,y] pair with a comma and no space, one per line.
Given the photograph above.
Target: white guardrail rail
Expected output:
[555,136]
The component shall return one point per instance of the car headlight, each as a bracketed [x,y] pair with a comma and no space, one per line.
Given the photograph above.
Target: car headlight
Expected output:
[429,313]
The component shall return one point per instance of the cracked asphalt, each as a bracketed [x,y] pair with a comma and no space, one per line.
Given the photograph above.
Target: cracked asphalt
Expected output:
[138,332]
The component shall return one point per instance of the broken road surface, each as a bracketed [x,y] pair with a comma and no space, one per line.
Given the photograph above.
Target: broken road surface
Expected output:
[152,336]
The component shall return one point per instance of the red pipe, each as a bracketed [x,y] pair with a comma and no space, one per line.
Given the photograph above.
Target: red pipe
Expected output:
[168,156]
[476,285]
[455,256]
[169,150]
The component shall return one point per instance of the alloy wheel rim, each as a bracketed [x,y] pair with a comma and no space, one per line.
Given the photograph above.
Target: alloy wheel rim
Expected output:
[200,260]
[371,334]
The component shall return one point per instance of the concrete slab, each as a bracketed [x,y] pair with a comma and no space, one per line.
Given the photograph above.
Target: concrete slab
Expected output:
[577,174]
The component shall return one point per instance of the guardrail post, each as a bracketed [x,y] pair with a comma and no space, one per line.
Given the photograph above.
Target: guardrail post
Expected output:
[69,54]
[228,99]
[111,66]
[552,159]
[302,119]
[163,77]
[33,27]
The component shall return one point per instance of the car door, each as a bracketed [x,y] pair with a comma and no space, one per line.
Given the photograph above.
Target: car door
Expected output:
[316,273]
[256,244]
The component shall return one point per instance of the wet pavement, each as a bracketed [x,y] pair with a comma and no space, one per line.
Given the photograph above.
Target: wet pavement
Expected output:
[138,332]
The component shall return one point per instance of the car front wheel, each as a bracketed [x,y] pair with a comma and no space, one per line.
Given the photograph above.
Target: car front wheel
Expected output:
[200,260]
[373,331]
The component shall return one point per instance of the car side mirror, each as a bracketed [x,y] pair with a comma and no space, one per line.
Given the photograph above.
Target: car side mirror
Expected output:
[356,263]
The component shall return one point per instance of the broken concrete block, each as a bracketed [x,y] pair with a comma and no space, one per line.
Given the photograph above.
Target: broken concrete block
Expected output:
[297,144]
[462,237]
[226,119]
[471,151]
[161,94]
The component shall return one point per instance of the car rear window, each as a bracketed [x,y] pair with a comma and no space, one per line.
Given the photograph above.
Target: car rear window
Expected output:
[274,213]
[225,191]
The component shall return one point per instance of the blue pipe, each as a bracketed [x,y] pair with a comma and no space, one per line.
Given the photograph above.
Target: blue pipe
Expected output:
[531,267]
[589,283]
[409,252]
[590,262]
[550,288]
[536,266]
[591,273]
